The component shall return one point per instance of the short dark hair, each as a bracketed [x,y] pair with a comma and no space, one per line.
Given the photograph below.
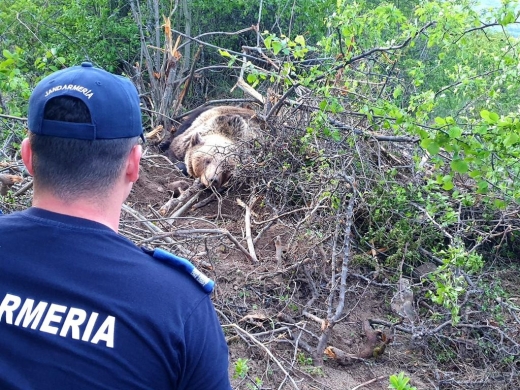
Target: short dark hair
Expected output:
[72,168]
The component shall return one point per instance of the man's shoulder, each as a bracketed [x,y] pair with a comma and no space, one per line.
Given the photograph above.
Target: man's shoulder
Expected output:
[159,273]
[182,266]
[37,217]
[101,247]
[7,216]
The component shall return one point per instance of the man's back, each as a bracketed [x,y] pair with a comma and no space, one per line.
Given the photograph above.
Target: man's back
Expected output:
[82,307]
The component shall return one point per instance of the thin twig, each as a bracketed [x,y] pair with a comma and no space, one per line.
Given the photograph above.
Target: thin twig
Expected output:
[252,338]
[369,382]
[150,226]
[17,118]
[190,232]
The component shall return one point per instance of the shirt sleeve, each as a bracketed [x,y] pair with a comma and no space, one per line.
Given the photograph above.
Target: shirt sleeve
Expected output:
[207,354]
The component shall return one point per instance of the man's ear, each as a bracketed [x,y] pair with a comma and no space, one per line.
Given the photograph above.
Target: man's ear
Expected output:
[27,155]
[132,164]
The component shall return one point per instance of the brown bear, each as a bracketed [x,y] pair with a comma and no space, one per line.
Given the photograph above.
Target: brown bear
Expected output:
[212,141]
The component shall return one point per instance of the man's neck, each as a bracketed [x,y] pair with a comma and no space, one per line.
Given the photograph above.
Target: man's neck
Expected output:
[107,214]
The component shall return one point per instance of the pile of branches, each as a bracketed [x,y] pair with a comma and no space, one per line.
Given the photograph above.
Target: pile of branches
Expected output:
[317,200]
[328,195]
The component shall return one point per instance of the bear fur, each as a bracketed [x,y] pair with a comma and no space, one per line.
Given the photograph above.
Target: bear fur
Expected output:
[211,141]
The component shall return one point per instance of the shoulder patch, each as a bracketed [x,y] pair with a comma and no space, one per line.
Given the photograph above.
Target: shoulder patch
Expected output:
[182,264]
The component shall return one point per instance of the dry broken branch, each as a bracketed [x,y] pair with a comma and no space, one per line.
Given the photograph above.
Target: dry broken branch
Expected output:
[249,239]
[187,196]
[141,218]
[280,249]
[245,87]
[24,189]
[155,132]
[6,181]
[9,180]
[374,347]
[218,232]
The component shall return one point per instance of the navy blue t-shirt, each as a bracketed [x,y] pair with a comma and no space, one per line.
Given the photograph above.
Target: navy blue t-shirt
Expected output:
[82,307]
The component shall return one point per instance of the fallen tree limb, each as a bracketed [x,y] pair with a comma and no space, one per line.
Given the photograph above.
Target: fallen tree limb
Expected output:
[214,103]
[13,117]
[204,202]
[182,209]
[378,137]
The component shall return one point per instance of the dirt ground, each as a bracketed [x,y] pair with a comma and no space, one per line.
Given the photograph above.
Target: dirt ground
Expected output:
[257,296]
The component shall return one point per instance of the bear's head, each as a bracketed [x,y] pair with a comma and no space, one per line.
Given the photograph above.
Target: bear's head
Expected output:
[211,158]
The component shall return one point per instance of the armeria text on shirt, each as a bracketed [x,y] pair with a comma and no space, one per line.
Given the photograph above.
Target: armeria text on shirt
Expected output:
[58,320]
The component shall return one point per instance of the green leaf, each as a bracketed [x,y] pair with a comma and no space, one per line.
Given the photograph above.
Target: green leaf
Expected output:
[489,117]
[511,139]
[455,132]
[440,121]
[450,148]
[336,135]
[277,46]
[481,130]
[459,166]
[300,40]
[475,174]
[268,41]
[323,105]
[7,53]
[448,182]
[431,146]
[394,382]
[224,53]
[504,123]
[422,133]
[508,18]
[482,187]
[500,204]
[484,114]
[397,92]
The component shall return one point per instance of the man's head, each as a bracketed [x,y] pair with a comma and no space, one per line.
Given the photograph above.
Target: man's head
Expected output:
[84,125]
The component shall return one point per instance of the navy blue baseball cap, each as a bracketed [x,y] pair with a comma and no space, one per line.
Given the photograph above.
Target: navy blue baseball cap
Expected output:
[112,100]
